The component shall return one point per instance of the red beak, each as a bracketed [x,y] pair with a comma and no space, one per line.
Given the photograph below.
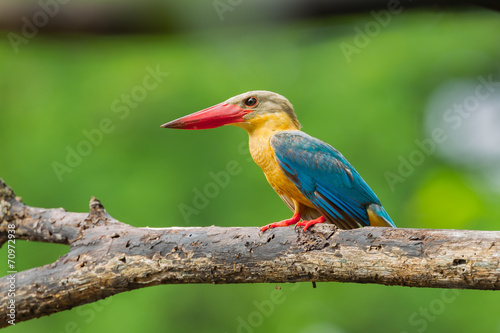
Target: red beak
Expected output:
[212,117]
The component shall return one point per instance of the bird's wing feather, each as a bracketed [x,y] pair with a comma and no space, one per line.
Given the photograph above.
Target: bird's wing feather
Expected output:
[325,177]
[307,213]
[288,201]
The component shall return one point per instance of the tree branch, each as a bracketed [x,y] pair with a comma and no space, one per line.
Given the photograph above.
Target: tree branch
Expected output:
[108,257]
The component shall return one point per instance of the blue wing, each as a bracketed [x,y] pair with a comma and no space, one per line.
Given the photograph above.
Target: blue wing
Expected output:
[327,179]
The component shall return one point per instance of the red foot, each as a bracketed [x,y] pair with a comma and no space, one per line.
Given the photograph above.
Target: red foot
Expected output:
[307,224]
[285,223]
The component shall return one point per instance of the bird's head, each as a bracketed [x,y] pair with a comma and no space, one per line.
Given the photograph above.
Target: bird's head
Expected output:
[249,110]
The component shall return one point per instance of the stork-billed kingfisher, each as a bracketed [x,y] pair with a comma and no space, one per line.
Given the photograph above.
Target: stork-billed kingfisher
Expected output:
[314,179]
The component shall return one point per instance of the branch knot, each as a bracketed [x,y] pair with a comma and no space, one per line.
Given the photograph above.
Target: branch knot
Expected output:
[6,192]
[97,211]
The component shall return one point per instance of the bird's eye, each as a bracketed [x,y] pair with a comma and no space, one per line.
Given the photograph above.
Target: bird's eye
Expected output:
[250,101]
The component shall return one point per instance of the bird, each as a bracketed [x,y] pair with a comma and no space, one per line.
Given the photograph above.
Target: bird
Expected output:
[313,178]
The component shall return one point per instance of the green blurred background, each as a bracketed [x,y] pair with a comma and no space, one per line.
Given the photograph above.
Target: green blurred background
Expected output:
[371,105]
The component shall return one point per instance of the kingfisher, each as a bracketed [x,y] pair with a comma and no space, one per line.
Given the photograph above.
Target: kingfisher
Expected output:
[313,179]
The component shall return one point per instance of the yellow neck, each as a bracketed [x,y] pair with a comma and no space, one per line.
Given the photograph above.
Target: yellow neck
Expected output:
[260,128]
[265,125]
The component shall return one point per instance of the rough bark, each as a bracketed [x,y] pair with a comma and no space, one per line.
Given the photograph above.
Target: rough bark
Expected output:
[107,257]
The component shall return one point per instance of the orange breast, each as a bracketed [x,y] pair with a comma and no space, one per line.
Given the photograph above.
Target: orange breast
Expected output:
[262,153]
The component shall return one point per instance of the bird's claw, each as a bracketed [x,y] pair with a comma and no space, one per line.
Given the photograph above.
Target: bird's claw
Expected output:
[270,226]
[285,223]
[264,228]
[304,224]
[308,224]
